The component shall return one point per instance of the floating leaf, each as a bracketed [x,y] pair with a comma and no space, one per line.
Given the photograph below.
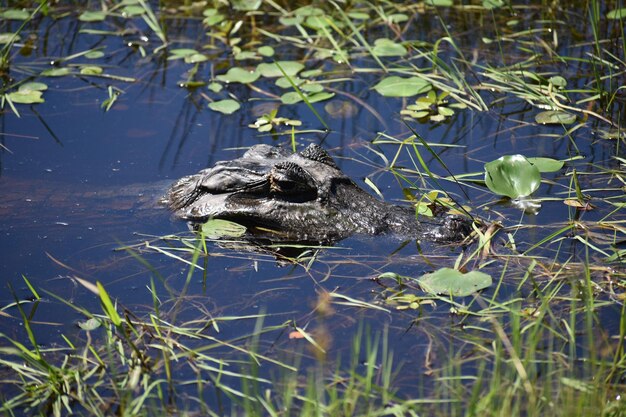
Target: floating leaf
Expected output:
[92,16]
[284,82]
[555,117]
[558,81]
[266,51]
[15,14]
[312,88]
[132,11]
[26,97]
[512,175]
[291,68]
[617,14]
[546,164]
[215,87]
[91,70]
[181,53]
[33,86]
[395,86]
[91,324]
[94,54]
[291,20]
[245,55]
[317,97]
[239,75]
[218,228]
[56,72]
[227,106]
[387,47]
[442,3]
[246,5]
[290,98]
[8,37]
[493,4]
[452,282]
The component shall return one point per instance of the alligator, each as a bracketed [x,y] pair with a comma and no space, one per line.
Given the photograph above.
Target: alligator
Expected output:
[301,196]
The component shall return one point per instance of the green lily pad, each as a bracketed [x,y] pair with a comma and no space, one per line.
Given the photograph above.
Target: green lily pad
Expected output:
[441,3]
[266,51]
[56,72]
[291,20]
[215,87]
[312,88]
[555,117]
[239,75]
[291,68]
[558,81]
[92,16]
[26,97]
[33,86]
[15,14]
[132,11]
[617,14]
[91,70]
[290,98]
[94,54]
[546,164]
[452,282]
[395,86]
[284,82]
[227,106]
[387,47]
[181,53]
[493,4]
[512,175]
[7,37]
[317,97]
[218,228]
[91,324]
[246,5]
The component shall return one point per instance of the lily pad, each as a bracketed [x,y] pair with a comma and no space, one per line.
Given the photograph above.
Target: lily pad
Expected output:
[56,72]
[94,54]
[91,70]
[92,16]
[7,37]
[512,175]
[227,106]
[218,228]
[449,281]
[15,14]
[239,75]
[26,97]
[387,47]
[291,68]
[617,14]
[546,164]
[266,51]
[290,98]
[33,86]
[90,324]
[317,97]
[555,117]
[395,86]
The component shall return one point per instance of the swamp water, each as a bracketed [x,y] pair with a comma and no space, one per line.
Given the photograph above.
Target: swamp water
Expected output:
[137,94]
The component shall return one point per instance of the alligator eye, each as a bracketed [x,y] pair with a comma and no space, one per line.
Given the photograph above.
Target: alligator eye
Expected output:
[288,178]
[317,153]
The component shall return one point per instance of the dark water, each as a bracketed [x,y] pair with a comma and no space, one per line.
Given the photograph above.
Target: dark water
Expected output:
[157,132]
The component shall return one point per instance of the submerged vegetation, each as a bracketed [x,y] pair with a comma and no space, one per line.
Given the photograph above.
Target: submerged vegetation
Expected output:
[528,319]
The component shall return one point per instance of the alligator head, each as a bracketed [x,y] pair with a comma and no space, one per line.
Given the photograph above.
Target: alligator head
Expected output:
[302,196]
